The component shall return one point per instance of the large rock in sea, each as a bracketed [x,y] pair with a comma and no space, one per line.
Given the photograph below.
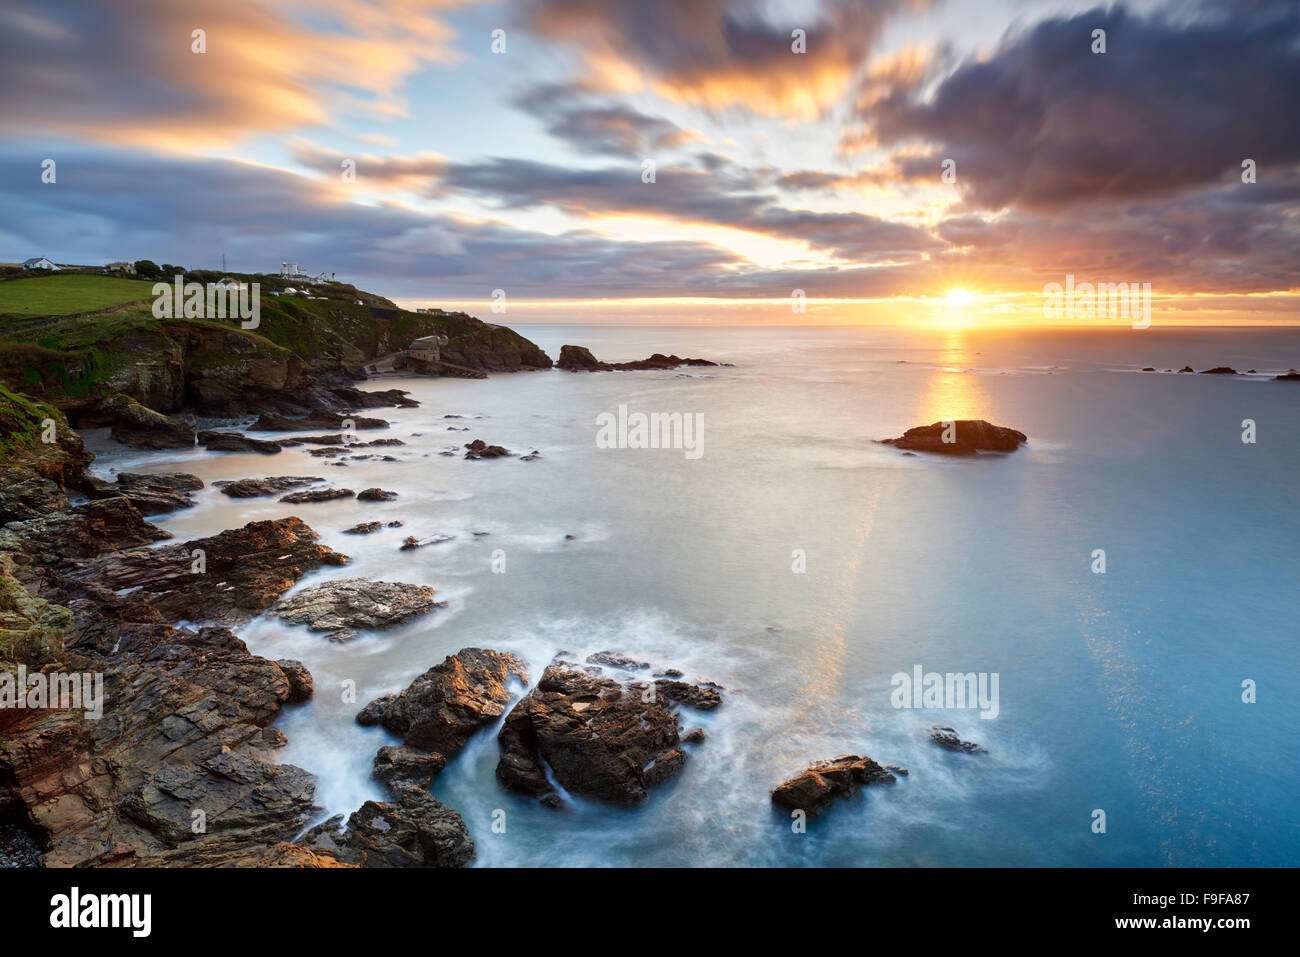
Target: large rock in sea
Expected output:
[813,790]
[442,708]
[599,737]
[344,604]
[580,359]
[960,437]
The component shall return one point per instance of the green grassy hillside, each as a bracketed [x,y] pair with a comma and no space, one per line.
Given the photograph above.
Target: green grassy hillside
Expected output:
[56,295]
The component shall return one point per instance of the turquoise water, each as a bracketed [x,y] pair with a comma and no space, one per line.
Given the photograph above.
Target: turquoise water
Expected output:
[1120,692]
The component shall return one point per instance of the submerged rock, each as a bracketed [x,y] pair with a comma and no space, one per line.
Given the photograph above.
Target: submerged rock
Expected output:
[318,419]
[344,604]
[813,790]
[598,738]
[363,528]
[960,437]
[236,442]
[1219,370]
[1290,375]
[317,495]
[947,738]
[376,495]
[251,487]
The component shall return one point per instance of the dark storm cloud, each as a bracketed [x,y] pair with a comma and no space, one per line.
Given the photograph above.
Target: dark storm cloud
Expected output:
[1172,105]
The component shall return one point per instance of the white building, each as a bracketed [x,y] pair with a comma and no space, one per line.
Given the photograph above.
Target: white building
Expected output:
[40,262]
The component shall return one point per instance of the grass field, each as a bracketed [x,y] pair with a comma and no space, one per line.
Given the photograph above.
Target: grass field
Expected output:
[67,295]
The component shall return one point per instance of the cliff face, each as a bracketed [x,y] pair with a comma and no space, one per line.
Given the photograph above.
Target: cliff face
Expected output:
[301,349]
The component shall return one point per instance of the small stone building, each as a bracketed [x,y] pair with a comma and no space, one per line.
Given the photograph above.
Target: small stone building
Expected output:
[427,348]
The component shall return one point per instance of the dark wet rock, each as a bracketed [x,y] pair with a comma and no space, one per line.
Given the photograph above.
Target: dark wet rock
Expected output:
[140,427]
[478,449]
[317,495]
[225,578]
[531,456]
[969,437]
[318,419]
[1290,375]
[702,697]
[1219,370]
[1186,369]
[599,738]
[412,830]
[396,764]
[236,442]
[694,736]
[616,660]
[580,359]
[394,524]
[443,708]
[411,542]
[1149,369]
[376,398]
[344,604]
[947,738]
[813,790]
[86,531]
[376,495]
[301,685]
[152,494]
[363,528]
[182,730]
[271,485]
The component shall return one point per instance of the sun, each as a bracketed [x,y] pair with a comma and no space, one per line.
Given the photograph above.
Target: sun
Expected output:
[959,297]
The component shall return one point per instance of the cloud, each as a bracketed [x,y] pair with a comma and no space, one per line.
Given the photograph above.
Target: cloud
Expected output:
[601,126]
[720,53]
[1044,123]
[127,75]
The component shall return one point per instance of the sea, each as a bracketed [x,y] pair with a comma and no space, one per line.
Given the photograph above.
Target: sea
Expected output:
[1129,576]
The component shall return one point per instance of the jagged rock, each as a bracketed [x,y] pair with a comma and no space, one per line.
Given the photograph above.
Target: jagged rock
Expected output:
[140,427]
[694,736]
[580,359]
[363,528]
[702,697]
[1291,375]
[376,495]
[181,731]
[969,436]
[317,495]
[301,685]
[947,738]
[344,604]
[478,449]
[251,488]
[152,494]
[82,532]
[599,738]
[1219,370]
[414,830]
[236,442]
[815,789]
[615,660]
[396,764]
[226,578]
[25,495]
[442,708]
[1186,369]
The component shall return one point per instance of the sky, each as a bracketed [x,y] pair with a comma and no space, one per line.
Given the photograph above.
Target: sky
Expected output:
[698,161]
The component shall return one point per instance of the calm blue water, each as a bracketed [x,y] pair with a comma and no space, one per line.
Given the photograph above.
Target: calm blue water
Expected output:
[1120,692]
